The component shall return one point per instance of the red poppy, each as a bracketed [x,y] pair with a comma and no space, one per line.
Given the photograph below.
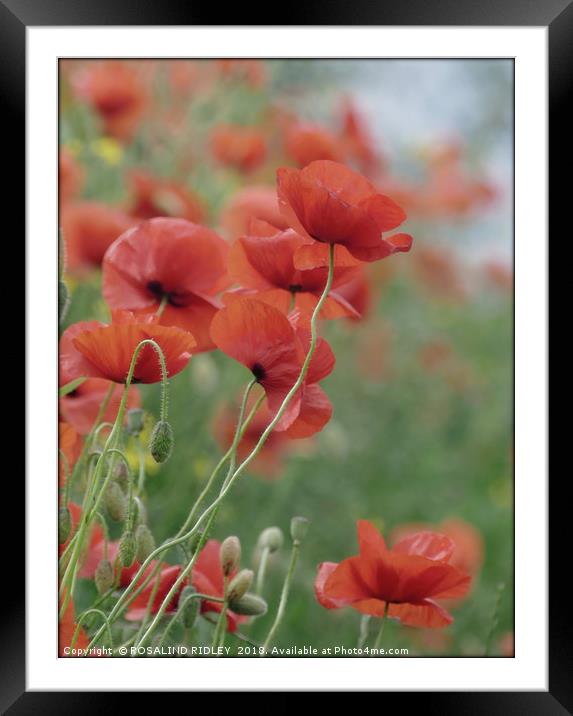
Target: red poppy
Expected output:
[243,148]
[116,91]
[410,577]
[273,347]
[70,444]
[206,577]
[89,228]
[357,140]
[330,204]
[70,176]
[269,462]
[173,259]
[263,264]
[160,197]
[252,71]
[253,202]
[91,349]
[81,407]
[306,143]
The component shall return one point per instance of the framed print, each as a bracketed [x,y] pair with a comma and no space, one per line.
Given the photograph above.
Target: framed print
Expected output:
[290,402]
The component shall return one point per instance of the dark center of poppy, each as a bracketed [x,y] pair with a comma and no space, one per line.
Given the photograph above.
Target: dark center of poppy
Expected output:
[258,371]
[295,288]
[156,288]
[158,291]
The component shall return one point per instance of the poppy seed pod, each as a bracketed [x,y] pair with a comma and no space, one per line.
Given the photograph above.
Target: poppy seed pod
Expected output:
[115,502]
[145,542]
[135,421]
[298,528]
[189,606]
[127,549]
[271,538]
[230,555]
[104,576]
[64,524]
[240,584]
[162,441]
[249,605]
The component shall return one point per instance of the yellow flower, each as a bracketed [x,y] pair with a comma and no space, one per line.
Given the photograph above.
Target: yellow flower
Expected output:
[108,149]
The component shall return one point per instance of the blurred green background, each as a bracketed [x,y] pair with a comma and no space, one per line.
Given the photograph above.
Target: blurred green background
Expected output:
[422,389]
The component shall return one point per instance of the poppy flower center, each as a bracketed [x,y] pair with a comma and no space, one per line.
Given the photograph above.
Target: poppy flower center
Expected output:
[295,288]
[258,371]
[157,290]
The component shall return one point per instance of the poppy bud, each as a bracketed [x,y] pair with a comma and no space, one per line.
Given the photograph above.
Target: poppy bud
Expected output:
[64,524]
[230,555]
[121,475]
[249,605]
[145,542]
[104,576]
[63,299]
[271,538]
[115,502]
[189,606]
[135,421]
[161,443]
[240,585]
[298,528]
[127,549]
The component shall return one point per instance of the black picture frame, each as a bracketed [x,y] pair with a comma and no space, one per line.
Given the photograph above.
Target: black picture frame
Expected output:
[557,16]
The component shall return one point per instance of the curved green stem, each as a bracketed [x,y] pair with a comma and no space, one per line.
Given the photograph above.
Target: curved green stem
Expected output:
[284,597]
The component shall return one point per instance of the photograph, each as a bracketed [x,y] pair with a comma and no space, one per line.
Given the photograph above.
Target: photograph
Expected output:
[285,357]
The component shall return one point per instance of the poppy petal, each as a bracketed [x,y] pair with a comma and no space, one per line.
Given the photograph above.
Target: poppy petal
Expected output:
[325,569]
[314,413]
[427,614]
[370,541]
[426,544]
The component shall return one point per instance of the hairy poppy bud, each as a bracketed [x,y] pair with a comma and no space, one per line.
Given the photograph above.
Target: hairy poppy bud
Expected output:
[240,585]
[249,605]
[272,539]
[115,502]
[64,524]
[298,528]
[121,475]
[162,441]
[135,420]
[189,606]
[104,576]
[230,555]
[127,549]
[145,542]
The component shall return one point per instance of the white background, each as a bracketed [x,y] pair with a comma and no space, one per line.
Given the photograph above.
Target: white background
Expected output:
[528,670]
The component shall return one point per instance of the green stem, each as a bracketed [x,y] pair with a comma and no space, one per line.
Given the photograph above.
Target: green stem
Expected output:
[284,597]
[262,570]
[382,625]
